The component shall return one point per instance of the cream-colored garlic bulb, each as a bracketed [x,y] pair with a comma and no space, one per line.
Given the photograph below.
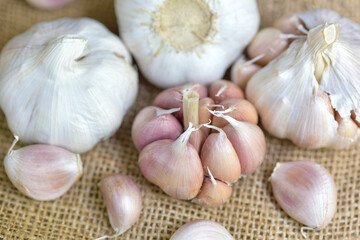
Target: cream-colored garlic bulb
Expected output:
[298,94]
[179,41]
[42,172]
[306,191]
[49,4]
[67,83]
[202,230]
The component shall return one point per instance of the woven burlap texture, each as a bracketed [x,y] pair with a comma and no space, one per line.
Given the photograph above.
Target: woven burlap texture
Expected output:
[252,212]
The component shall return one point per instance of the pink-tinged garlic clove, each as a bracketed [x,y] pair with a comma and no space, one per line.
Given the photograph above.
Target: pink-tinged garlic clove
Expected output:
[242,71]
[49,4]
[270,43]
[197,139]
[174,166]
[220,158]
[152,124]
[123,202]
[239,109]
[290,25]
[347,127]
[223,89]
[213,193]
[306,191]
[205,116]
[172,97]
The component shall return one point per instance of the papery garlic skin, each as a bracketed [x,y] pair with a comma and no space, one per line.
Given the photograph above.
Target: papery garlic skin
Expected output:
[43,172]
[202,230]
[203,37]
[297,94]
[306,191]
[123,201]
[67,83]
[48,4]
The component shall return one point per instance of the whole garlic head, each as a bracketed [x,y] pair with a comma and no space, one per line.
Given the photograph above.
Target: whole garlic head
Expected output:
[67,83]
[299,93]
[179,41]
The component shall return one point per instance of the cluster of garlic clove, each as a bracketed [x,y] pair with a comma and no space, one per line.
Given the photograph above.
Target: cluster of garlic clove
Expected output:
[307,90]
[68,83]
[187,135]
[180,41]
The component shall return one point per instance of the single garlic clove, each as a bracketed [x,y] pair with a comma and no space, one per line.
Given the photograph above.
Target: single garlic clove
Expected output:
[174,166]
[248,141]
[306,191]
[241,110]
[202,230]
[123,202]
[204,115]
[268,42]
[197,139]
[219,156]
[152,124]
[290,25]
[213,193]
[43,172]
[172,97]
[223,89]
[242,71]
[48,4]
[347,127]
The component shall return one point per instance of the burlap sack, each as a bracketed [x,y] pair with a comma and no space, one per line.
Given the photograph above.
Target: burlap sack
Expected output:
[252,212]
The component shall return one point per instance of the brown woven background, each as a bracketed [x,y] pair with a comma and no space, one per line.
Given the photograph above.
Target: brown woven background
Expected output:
[252,212]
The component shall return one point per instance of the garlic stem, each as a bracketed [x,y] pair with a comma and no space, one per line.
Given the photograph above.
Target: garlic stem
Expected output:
[13,144]
[160,112]
[221,90]
[305,228]
[191,108]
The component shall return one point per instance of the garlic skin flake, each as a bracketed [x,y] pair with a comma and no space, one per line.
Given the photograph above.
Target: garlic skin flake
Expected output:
[67,83]
[306,191]
[180,41]
[42,172]
[202,230]
[298,94]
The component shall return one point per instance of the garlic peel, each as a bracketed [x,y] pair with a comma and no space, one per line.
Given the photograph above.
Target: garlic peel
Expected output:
[43,172]
[181,41]
[306,191]
[202,230]
[48,4]
[74,88]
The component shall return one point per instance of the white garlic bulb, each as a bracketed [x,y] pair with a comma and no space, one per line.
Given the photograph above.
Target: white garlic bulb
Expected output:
[42,172]
[299,93]
[67,83]
[202,230]
[179,41]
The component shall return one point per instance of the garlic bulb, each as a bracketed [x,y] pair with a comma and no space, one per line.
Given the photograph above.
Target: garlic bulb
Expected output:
[67,83]
[179,41]
[298,94]
[123,202]
[49,4]
[202,230]
[42,172]
[306,191]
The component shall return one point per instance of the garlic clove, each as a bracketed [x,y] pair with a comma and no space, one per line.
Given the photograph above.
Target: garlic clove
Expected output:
[174,166]
[48,4]
[248,141]
[152,124]
[213,193]
[347,127]
[242,71]
[290,24]
[202,230]
[42,172]
[172,97]
[306,191]
[270,43]
[205,116]
[240,109]
[219,156]
[197,139]
[223,89]
[123,202]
